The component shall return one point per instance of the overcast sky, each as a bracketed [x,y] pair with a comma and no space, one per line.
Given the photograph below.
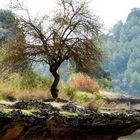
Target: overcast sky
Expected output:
[109,11]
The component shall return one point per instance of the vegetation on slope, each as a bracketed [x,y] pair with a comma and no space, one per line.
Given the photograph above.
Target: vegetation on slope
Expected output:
[123,45]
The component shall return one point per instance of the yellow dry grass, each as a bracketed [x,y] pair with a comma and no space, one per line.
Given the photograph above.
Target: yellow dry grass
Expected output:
[111,95]
[8,91]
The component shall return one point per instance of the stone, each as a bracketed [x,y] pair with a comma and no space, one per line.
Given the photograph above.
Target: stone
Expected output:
[37,120]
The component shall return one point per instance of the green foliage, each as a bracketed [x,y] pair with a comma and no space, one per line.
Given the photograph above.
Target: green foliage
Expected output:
[104,78]
[6,16]
[82,97]
[97,96]
[29,79]
[7,25]
[5,113]
[70,91]
[123,44]
[105,83]
[28,85]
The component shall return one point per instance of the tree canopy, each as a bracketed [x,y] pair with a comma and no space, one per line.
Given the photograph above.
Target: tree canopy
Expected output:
[72,34]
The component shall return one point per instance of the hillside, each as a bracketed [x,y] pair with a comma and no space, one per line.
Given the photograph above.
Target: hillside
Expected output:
[123,46]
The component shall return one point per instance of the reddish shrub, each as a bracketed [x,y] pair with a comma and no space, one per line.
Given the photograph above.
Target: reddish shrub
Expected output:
[84,83]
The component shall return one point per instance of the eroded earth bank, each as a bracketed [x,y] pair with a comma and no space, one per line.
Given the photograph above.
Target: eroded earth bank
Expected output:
[38,120]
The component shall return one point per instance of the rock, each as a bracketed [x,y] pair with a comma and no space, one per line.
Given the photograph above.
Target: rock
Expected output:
[46,122]
[69,107]
[33,104]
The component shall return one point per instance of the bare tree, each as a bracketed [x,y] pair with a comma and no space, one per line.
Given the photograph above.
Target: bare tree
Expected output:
[72,34]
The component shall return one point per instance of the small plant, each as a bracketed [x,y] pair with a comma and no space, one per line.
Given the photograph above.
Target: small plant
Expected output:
[97,96]
[105,83]
[5,113]
[24,85]
[82,97]
[44,82]
[96,104]
[29,79]
[70,91]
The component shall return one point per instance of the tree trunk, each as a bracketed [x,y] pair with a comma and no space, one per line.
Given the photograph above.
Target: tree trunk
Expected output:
[54,90]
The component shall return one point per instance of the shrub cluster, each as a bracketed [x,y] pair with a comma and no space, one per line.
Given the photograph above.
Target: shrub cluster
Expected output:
[84,83]
[25,85]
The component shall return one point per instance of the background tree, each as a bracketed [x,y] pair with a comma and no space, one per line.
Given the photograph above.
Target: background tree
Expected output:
[9,32]
[71,34]
[7,19]
[123,45]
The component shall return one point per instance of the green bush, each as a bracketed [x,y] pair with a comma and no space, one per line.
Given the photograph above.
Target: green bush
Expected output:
[97,96]
[105,83]
[82,97]
[14,79]
[43,82]
[29,79]
[70,91]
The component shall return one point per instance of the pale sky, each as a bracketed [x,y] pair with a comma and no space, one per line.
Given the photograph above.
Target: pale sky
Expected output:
[109,11]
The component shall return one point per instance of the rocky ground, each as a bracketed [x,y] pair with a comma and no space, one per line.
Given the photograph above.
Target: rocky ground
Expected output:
[43,120]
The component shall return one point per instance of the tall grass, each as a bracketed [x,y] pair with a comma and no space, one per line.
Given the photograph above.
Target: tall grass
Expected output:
[27,85]
[30,85]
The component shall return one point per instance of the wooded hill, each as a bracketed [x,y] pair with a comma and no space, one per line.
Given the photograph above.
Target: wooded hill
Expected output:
[123,46]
